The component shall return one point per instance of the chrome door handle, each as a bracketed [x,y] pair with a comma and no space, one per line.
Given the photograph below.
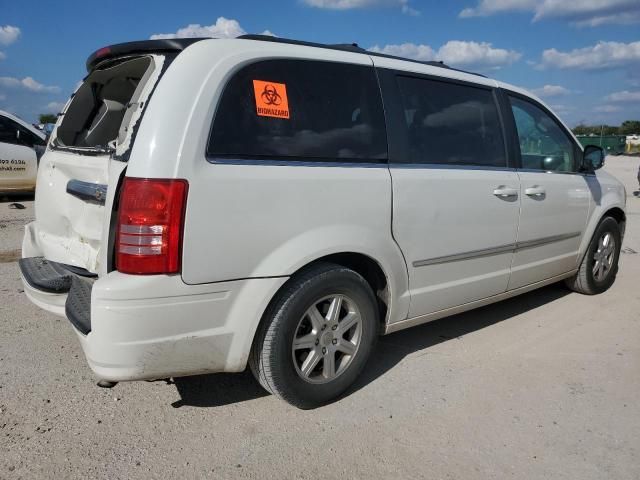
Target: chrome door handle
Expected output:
[505,192]
[535,191]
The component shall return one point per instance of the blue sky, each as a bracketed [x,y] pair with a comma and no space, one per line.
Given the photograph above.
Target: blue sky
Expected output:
[581,56]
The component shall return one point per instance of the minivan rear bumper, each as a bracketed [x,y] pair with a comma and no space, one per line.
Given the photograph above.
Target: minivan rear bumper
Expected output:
[156,326]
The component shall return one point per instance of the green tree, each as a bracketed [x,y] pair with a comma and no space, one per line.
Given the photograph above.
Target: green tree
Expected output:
[47,118]
[582,129]
[630,127]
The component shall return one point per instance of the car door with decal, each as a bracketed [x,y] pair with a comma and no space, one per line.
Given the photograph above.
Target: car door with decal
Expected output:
[555,196]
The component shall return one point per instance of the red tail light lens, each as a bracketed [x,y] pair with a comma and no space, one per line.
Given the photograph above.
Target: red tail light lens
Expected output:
[150,224]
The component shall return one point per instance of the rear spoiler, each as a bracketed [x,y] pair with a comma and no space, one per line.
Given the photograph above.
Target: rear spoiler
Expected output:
[144,46]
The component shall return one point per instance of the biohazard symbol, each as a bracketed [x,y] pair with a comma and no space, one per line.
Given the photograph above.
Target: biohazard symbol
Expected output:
[271,99]
[270,95]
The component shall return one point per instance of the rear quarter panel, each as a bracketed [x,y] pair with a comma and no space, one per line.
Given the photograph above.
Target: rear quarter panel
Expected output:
[247,219]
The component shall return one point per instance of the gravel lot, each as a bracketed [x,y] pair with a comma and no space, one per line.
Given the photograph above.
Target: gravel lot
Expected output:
[544,385]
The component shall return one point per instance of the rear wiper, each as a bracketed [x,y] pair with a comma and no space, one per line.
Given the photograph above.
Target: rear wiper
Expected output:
[97,149]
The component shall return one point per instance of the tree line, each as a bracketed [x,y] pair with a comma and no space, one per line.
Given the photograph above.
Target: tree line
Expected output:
[628,127]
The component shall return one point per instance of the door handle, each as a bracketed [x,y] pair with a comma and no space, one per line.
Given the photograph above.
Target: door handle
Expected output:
[535,191]
[505,192]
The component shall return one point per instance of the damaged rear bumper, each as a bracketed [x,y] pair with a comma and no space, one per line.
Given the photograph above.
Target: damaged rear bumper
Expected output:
[146,327]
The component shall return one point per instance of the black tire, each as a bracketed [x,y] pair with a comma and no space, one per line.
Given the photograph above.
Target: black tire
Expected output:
[584,281]
[272,360]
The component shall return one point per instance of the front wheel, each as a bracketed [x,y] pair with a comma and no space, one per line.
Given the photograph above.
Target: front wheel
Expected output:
[316,336]
[599,266]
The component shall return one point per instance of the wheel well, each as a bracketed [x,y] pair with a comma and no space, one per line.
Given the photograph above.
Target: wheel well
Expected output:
[617,214]
[370,271]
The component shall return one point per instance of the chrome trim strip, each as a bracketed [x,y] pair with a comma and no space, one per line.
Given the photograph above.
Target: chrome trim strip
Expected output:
[554,172]
[90,192]
[545,240]
[270,162]
[448,166]
[485,252]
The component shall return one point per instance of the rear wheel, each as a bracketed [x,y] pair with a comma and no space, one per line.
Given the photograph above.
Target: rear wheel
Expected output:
[600,264]
[316,336]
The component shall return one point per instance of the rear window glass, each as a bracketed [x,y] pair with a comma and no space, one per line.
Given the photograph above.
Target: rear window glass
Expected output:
[451,123]
[302,109]
[102,103]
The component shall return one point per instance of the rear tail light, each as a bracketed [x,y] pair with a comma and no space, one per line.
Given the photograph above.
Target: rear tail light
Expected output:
[150,224]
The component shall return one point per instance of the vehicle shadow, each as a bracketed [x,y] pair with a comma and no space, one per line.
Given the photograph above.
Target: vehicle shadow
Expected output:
[214,390]
[393,348]
[217,389]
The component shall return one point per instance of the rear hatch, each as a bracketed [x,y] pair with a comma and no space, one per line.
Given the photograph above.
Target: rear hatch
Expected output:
[88,152]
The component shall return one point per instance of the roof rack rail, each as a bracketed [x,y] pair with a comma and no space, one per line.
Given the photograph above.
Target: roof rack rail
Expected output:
[351,47]
[348,47]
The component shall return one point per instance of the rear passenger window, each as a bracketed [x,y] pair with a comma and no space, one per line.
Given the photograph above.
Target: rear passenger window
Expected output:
[301,109]
[452,124]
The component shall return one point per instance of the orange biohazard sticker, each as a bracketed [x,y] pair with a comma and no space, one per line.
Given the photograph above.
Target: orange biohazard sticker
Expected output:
[271,99]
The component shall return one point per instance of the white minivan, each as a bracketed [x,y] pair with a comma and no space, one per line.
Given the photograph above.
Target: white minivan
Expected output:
[208,204]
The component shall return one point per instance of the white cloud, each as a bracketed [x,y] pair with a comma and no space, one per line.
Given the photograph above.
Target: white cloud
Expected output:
[607,108]
[474,54]
[8,34]
[624,96]
[406,9]
[551,91]
[353,4]
[424,53]
[562,109]
[27,83]
[583,13]
[223,28]
[480,55]
[54,107]
[596,57]
[491,7]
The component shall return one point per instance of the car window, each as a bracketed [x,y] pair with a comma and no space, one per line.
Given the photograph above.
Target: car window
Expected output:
[451,123]
[8,134]
[543,144]
[28,138]
[301,109]
[8,129]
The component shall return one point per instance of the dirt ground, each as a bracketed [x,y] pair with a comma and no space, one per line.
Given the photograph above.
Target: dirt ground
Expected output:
[545,385]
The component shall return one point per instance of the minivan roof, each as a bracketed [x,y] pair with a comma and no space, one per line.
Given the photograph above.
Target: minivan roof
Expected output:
[179,44]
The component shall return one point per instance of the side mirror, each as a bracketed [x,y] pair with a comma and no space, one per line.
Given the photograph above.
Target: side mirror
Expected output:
[592,158]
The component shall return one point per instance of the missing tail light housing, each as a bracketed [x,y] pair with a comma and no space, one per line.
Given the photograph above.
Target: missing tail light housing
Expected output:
[150,225]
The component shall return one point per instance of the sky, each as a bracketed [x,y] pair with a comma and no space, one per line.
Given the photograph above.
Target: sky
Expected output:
[582,57]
